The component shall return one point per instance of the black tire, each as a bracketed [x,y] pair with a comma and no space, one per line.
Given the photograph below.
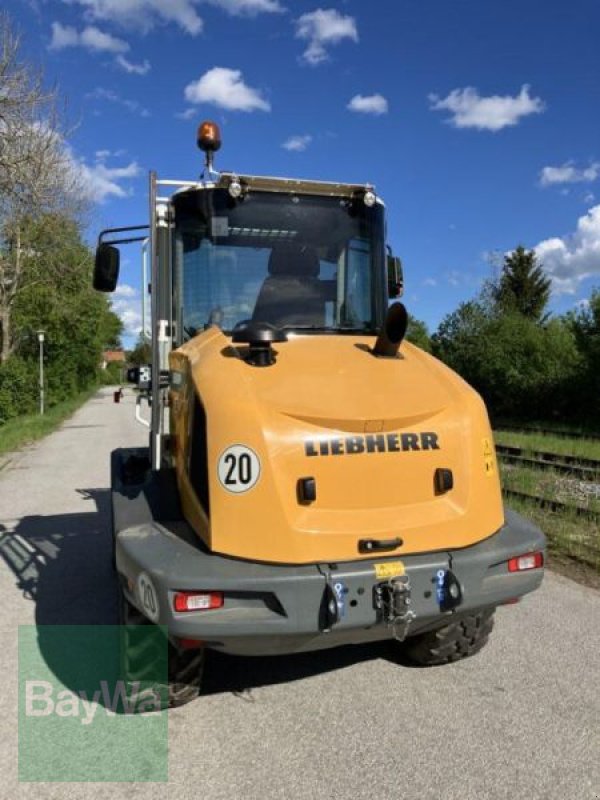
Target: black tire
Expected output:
[458,639]
[139,654]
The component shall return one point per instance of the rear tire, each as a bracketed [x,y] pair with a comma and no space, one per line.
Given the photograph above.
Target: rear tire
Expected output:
[458,639]
[139,655]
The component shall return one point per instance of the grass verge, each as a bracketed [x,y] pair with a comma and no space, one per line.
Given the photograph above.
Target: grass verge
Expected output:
[573,543]
[581,448]
[23,430]
[551,485]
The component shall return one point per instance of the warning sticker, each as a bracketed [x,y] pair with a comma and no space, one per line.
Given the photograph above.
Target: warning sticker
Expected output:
[489,459]
[389,569]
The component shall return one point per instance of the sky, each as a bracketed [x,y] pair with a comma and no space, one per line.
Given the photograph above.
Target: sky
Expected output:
[478,122]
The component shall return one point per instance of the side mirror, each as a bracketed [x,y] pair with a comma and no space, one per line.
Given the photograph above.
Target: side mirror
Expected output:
[142,376]
[106,268]
[395,276]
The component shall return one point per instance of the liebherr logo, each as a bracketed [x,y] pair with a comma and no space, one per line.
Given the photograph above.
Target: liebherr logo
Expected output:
[372,443]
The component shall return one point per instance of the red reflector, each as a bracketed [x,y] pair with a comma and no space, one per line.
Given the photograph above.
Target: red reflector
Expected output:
[197,601]
[189,644]
[527,561]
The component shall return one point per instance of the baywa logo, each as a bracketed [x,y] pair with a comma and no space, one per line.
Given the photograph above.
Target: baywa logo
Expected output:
[42,699]
[83,716]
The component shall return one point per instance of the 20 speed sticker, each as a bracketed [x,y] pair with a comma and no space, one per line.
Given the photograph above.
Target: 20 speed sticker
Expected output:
[238,469]
[148,597]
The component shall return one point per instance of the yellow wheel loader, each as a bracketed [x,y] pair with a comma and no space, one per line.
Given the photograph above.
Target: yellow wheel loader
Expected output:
[312,479]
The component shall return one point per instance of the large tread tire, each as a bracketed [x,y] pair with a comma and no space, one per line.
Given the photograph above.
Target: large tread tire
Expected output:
[452,642]
[139,654]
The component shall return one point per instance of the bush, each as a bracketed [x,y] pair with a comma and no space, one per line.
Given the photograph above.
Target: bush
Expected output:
[522,369]
[111,376]
[19,390]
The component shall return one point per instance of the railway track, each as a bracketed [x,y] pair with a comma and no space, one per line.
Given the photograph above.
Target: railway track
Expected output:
[587,469]
[593,437]
[553,505]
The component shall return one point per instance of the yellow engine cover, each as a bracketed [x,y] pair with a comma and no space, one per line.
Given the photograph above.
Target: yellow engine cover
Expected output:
[370,431]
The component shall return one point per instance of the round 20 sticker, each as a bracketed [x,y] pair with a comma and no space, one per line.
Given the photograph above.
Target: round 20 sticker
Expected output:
[148,597]
[239,468]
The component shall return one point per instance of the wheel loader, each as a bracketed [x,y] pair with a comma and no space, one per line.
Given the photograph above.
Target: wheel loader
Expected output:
[311,479]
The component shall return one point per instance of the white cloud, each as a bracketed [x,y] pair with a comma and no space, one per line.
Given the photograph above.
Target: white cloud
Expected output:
[369,104]
[568,173]
[98,180]
[132,68]
[128,308]
[112,97]
[571,259]
[225,88]
[430,282]
[124,290]
[188,113]
[101,182]
[249,8]
[103,155]
[143,15]
[321,28]
[297,143]
[470,110]
[63,36]
[90,38]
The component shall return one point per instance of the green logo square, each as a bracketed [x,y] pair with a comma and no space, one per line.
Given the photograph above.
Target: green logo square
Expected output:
[83,716]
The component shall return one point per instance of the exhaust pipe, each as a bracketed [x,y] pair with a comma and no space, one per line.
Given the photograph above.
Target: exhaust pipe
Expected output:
[393,332]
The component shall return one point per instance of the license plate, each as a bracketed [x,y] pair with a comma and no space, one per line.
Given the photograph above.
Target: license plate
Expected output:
[389,569]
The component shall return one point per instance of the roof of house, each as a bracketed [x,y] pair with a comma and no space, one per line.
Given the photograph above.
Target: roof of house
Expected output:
[113,355]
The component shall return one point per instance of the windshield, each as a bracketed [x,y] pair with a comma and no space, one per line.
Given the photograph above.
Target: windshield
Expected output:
[300,262]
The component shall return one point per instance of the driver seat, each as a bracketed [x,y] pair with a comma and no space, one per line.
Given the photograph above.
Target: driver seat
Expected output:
[292,294]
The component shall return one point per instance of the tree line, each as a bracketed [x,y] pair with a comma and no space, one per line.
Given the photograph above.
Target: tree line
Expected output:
[526,363]
[45,265]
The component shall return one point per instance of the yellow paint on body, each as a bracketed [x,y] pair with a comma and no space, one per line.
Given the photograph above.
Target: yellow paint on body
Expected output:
[332,388]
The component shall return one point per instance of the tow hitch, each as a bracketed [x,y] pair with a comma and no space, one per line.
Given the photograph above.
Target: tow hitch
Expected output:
[392,600]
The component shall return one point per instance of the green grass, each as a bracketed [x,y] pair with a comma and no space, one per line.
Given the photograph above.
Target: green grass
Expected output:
[569,537]
[582,448]
[20,431]
[549,485]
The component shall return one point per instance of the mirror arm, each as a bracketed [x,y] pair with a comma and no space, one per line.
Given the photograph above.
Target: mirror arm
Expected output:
[125,241]
[108,231]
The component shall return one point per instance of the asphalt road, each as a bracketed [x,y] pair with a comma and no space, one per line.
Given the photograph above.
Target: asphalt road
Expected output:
[520,720]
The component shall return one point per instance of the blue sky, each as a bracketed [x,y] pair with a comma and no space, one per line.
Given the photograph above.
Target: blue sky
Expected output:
[478,122]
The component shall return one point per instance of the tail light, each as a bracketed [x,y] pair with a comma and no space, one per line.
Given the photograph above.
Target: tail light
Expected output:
[197,601]
[525,562]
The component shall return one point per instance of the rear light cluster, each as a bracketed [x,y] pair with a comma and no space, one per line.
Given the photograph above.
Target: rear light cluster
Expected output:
[197,601]
[525,562]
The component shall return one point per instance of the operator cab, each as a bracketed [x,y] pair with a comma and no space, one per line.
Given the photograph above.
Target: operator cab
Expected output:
[300,262]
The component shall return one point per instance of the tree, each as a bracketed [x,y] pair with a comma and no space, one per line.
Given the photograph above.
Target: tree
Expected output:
[585,325]
[142,352]
[57,296]
[523,286]
[521,368]
[456,340]
[36,174]
[418,334]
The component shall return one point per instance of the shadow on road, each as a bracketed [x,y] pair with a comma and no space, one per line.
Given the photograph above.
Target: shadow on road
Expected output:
[63,564]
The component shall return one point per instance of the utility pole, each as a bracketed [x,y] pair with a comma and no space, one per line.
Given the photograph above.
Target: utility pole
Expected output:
[41,341]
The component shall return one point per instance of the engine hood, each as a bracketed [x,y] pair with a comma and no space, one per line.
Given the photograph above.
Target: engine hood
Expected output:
[372,433]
